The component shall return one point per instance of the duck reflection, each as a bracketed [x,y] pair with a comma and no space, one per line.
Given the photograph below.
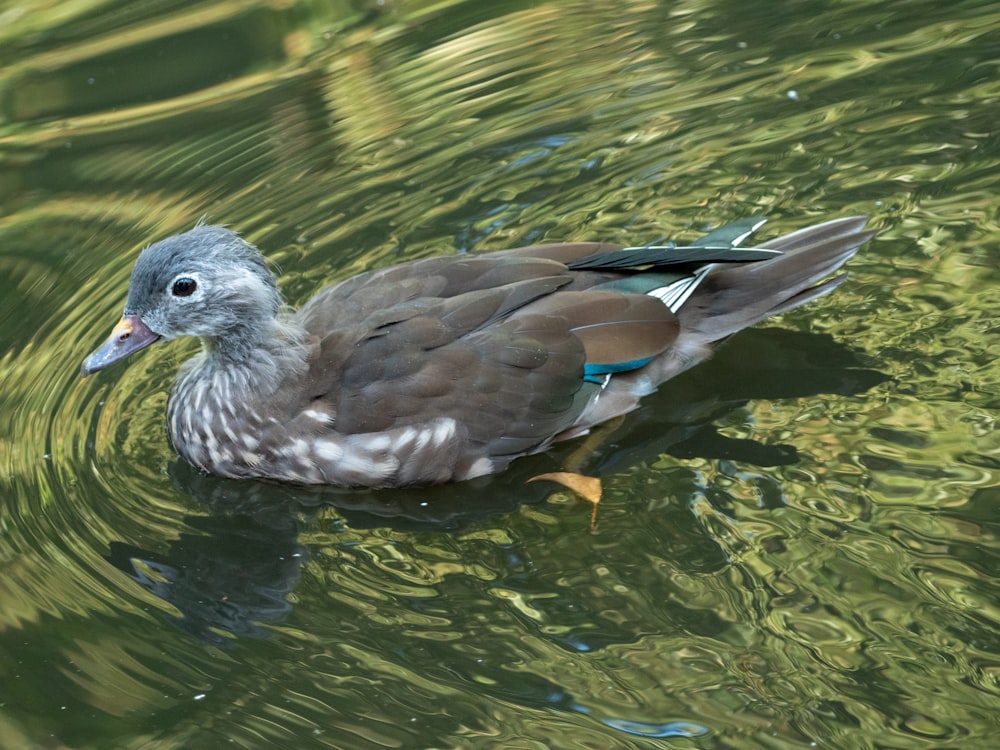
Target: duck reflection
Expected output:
[231,573]
[228,575]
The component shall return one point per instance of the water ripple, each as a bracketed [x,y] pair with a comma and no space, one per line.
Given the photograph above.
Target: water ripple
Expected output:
[791,549]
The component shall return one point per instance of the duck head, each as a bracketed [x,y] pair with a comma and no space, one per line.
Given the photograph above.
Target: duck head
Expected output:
[208,282]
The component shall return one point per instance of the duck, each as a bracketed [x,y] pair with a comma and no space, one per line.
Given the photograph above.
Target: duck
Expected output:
[446,368]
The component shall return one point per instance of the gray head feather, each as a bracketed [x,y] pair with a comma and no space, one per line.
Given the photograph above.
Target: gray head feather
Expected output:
[231,303]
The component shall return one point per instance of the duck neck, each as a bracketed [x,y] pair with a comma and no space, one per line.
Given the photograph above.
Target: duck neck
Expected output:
[274,350]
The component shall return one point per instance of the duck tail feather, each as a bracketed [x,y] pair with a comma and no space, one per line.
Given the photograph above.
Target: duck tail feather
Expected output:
[736,296]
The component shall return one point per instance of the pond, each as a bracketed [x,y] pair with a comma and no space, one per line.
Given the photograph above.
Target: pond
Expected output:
[798,540]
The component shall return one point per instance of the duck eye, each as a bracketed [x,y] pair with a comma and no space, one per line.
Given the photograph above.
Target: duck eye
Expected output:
[184,287]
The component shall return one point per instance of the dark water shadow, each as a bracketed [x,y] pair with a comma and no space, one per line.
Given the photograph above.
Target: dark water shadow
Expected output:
[232,570]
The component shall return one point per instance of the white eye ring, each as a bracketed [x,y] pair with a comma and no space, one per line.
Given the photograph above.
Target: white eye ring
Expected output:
[184,286]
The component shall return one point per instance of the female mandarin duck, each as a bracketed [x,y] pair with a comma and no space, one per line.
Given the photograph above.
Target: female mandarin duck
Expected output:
[447,368]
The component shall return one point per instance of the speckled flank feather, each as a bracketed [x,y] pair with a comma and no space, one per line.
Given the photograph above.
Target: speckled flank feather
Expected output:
[445,368]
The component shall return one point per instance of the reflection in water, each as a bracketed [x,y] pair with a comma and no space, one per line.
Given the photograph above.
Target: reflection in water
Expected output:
[234,570]
[232,576]
[789,551]
[233,573]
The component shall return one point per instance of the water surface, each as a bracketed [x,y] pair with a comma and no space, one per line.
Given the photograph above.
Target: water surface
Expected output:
[798,543]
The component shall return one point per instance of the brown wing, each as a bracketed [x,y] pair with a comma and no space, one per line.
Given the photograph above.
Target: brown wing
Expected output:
[487,340]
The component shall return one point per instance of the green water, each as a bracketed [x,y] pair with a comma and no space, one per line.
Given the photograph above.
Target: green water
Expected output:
[798,541]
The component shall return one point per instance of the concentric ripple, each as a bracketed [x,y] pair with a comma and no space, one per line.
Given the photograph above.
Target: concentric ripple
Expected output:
[797,543]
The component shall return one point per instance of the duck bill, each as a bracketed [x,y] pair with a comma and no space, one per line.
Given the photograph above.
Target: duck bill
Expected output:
[128,337]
